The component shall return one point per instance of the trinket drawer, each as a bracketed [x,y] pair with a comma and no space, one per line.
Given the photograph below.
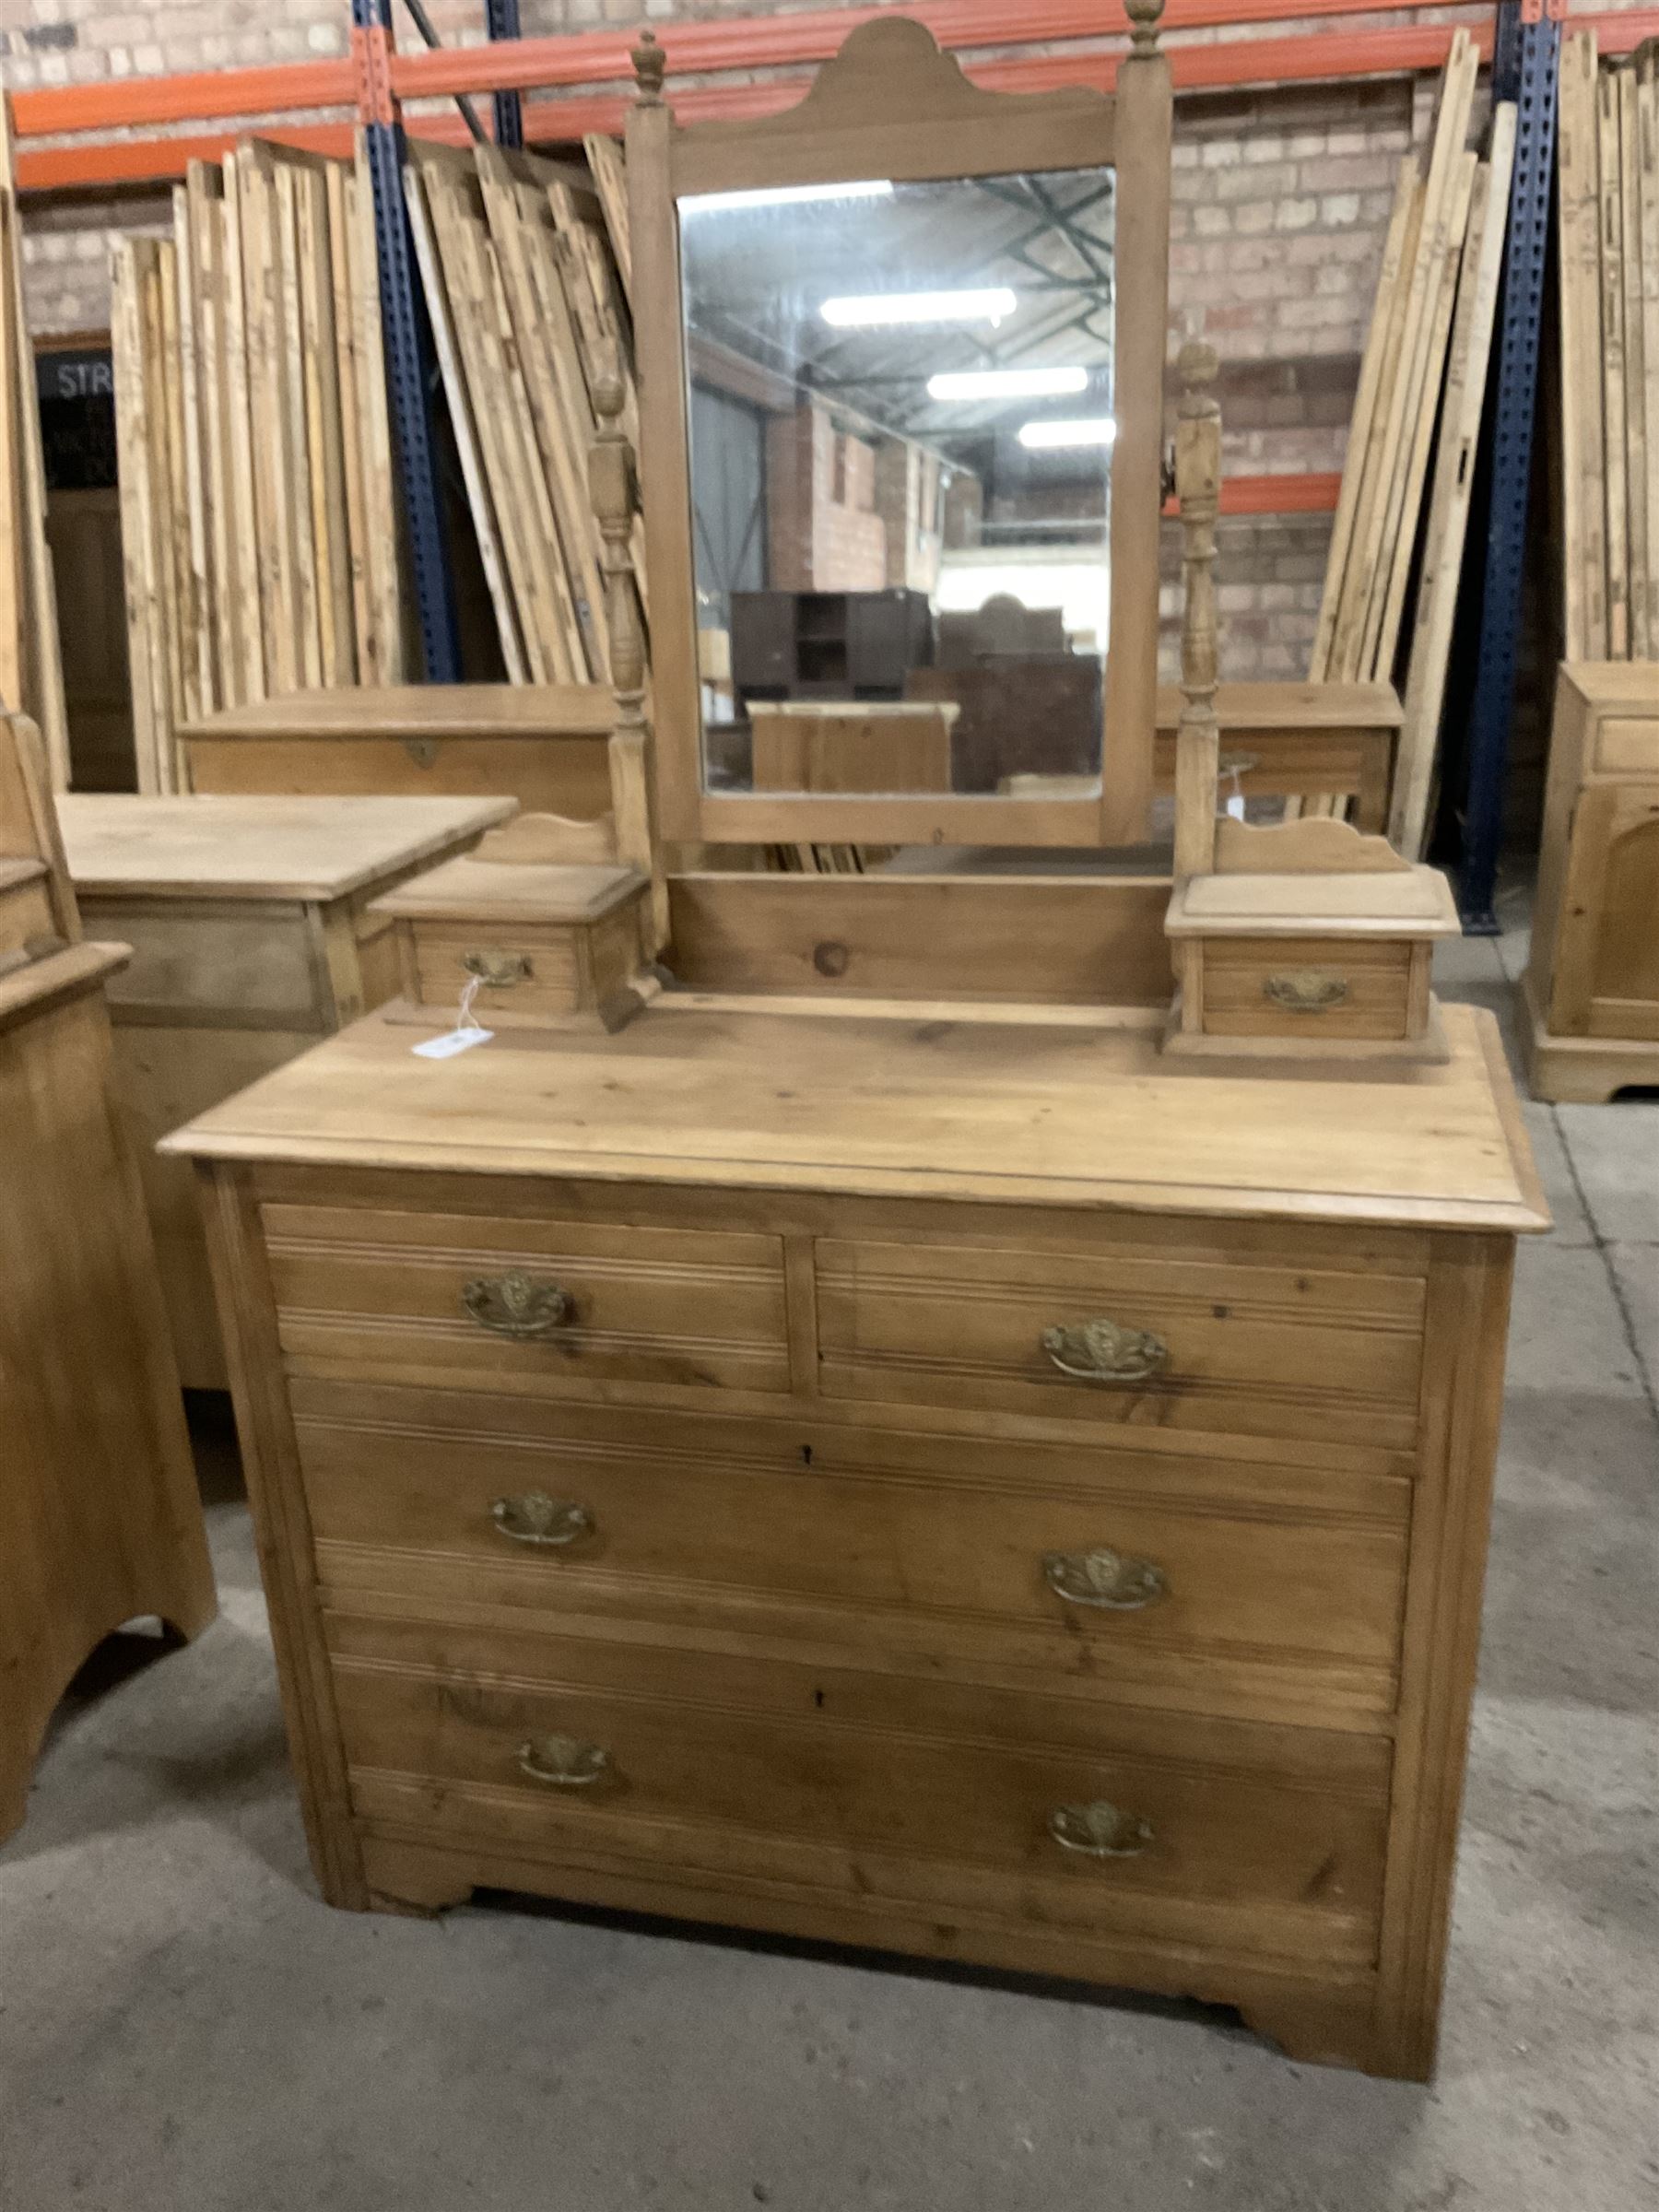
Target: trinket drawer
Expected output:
[1047,1534]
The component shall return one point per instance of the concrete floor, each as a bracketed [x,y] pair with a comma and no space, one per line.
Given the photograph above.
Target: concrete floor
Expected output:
[183,2028]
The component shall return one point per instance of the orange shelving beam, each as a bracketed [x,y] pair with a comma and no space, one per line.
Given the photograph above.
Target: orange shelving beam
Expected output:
[601,58]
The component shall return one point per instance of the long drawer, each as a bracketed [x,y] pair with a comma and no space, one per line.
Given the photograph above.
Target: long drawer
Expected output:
[1210,1582]
[1054,1812]
[1260,1347]
[463,1297]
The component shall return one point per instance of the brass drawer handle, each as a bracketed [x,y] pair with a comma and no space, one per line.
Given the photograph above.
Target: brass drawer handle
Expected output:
[516,1305]
[563,1762]
[537,1519]
[498,970]
[1105,1579]
[1104,1351]
[1099,1830]
[1306,991]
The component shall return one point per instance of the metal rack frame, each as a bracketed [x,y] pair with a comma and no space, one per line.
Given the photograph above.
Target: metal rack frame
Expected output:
[376,80]
[1525,69]
[81,116]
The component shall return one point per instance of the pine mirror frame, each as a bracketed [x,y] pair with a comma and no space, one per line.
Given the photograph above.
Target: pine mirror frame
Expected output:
[891,103]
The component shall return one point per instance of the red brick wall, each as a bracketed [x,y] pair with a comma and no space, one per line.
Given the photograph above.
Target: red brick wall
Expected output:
[823,534]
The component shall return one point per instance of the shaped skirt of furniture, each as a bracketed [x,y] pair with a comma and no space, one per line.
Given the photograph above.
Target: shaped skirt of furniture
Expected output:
[99,1521]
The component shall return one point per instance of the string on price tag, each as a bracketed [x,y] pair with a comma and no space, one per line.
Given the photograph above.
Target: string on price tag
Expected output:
[468,1030]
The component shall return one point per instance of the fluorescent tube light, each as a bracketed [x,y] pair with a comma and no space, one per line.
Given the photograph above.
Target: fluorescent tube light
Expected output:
[1006,383]
[1097,429]
[866,311]
[785,196]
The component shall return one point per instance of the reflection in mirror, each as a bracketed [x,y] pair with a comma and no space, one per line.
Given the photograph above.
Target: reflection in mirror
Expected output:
[902,426]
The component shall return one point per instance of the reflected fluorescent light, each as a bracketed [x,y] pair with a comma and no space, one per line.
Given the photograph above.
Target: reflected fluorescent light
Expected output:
[1097,430]
[785,196]
[866,311]
[1006,383]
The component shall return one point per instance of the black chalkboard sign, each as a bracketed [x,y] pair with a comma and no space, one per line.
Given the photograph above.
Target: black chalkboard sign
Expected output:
[78,417]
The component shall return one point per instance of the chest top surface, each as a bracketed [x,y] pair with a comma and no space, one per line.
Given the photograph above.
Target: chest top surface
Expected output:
[259,847]
[897,1103]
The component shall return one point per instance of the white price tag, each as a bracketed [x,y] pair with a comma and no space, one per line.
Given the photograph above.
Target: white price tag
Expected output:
[1235,806]
[449,1043]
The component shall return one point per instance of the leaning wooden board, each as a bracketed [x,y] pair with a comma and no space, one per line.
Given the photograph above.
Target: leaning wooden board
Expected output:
[251,938]
[804,1471]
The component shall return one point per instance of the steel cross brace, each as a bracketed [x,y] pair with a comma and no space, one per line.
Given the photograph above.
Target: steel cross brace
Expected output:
[410,369]
[1525,66]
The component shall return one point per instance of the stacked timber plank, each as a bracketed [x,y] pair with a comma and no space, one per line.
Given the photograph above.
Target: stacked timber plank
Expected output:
[31,671]
[259,519]
[1608,259]
[529,316]
[1415,429]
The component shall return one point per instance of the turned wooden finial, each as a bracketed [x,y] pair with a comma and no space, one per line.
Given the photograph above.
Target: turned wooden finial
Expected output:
[649,62]
[1143,19]
[1198,495]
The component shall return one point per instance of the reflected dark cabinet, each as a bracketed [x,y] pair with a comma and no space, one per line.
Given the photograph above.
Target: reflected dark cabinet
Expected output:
[827,644]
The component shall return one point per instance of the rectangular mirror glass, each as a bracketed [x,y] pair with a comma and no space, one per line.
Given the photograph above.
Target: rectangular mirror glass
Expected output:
[901,415]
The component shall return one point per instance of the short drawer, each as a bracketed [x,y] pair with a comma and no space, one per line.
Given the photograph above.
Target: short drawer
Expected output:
[253,964]
[1026,1809]
[1307,986]
[1628,746]
[1263,1347]
[478,1299]
[522,969]
[1217,1588]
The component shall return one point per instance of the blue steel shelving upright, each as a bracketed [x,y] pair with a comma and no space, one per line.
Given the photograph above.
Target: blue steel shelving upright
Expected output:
[410,370]
[502,21]
[1524,67]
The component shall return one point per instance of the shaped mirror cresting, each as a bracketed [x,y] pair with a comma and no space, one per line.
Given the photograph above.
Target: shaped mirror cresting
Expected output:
[902,424]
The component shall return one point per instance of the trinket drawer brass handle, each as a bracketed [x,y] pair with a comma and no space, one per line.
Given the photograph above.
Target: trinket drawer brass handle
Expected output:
[563,1762]
[1099,1830]
[1104,1351]
[498,970]
[1105,1579]
[516,1305]
[537,1519]
[1306,991]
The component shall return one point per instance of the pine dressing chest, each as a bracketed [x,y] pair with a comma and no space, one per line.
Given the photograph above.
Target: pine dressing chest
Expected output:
[962,1487]
[997,1475]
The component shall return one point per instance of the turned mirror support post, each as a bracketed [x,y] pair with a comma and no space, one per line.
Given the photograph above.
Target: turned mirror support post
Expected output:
[1199,491]
[614,488]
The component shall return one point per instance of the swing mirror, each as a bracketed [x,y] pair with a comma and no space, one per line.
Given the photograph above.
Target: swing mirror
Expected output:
[900,400]
[901,353]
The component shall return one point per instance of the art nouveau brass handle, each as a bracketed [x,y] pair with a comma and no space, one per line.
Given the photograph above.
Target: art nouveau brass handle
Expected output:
[1099,1830]
[537,1519]
[1104,1351]
[563,1762]
[516,1305]
[1105,1579]
[1306,991]
[498,970]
